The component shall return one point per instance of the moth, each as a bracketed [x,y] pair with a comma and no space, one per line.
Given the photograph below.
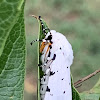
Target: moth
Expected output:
[56,57]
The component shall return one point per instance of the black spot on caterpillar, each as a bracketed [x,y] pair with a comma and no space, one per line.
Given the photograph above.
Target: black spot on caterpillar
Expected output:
[50,46]
[54,57]
[49,37]
[48,90]
[44,79]
[52,73]
[46,61]
[62,79]
[64,92]
[45,74]
[38,64]
[39,18]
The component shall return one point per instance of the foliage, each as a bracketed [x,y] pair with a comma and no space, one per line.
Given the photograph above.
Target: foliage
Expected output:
[78,20]
[75,93]
[12,49]
[93,94]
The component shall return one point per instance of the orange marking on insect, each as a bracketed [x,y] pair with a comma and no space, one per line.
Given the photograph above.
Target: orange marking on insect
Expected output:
[42,46]
[48,48]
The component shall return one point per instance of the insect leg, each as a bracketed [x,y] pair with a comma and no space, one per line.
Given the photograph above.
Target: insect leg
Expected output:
[35,41]
[47,64]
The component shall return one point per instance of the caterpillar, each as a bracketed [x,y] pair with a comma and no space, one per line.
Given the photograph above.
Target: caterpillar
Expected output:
[56,57]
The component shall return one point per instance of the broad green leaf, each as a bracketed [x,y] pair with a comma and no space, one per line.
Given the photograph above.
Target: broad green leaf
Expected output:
[75,93]
[90,96]
[12,59]
[96,88]
[93,94]
[9,12]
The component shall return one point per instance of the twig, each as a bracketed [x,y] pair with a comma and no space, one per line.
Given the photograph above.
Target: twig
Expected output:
[76,84]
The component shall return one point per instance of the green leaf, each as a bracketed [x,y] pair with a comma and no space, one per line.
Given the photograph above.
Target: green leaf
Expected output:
[93,94]
[12,59]
[9,12]
[96,88]
[41,36]
[90,96]
[75,94]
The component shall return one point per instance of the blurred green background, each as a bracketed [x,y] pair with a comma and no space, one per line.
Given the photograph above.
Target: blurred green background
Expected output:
[79,21]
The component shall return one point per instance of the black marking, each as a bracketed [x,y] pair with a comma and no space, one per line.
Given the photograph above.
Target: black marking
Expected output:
[50,46]
[43,30]
[42,89]
[40,80]
[44,79]
[46,61]
[54,57]
[31,43]
[48,90]
[41,84]
[52,73]
[39,17]
[62,79]
[60,48]
[49,37]
[39,40]
[57,71]
[64,92]
[45,74]
[49,54]
[38,64]
[67,67]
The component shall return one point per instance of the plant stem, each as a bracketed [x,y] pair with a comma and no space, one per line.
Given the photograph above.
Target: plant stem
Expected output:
[86,78]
